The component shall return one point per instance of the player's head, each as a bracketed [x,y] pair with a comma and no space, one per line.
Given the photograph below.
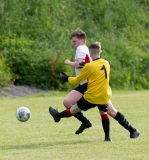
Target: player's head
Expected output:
[78,37]
[95,49]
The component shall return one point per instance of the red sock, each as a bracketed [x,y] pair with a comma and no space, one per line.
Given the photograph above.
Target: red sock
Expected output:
[106,125]
[104,116]
[68,112]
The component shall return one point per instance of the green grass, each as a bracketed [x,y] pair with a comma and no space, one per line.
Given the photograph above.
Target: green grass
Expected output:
[41,138]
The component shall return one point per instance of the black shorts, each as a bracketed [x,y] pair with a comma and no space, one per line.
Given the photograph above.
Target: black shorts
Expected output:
[81,88]
[85,105]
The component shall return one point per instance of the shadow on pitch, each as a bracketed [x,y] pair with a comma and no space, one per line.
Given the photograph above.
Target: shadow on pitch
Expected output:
[44,144]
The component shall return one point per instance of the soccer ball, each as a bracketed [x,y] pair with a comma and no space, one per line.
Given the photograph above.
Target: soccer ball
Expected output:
[23,114]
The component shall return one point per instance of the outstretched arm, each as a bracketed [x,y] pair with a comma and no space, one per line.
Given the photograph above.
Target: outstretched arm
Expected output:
[74,64]
[83,75]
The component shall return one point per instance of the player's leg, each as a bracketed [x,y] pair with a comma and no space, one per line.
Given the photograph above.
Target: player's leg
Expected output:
[105,124]
[134,133]
[58,115]
[81,104]
[71,99]
[64,114]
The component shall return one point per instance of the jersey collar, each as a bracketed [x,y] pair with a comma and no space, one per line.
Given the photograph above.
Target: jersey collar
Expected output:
[96,59]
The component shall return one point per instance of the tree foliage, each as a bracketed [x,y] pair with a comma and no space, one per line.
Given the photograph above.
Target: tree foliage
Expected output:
[34,39]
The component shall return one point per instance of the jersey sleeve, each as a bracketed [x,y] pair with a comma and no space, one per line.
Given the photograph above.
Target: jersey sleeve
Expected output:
[83,75]
[80,53]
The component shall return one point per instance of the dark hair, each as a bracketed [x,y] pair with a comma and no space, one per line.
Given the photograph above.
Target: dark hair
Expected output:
[95,47]
[80,34]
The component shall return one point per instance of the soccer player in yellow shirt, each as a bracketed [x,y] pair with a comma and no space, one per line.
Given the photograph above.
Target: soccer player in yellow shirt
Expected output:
[98,91]
[82,55]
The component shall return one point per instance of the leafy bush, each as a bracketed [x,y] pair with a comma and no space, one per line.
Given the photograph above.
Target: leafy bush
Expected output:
[33,67]
[35,39]
[5,73]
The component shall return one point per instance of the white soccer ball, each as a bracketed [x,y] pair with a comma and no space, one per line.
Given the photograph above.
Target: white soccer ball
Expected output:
[23,114]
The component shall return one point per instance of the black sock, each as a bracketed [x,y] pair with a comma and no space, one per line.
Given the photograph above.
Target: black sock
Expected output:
[62,114]
[81,117]
[106,125]
[123,121]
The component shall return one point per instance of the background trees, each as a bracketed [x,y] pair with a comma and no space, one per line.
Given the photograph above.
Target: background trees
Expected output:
[34,39]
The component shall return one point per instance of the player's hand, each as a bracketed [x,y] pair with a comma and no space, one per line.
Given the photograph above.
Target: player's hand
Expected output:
[81,65]
[63,77]
[67,61]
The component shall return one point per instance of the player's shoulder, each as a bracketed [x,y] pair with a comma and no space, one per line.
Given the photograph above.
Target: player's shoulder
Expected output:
[104,61]
[82,47]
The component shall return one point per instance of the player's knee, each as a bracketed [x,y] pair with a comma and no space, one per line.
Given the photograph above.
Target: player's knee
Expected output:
[67,103]
[112,113]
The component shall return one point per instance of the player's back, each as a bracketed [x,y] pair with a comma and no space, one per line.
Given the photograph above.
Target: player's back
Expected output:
[98,90]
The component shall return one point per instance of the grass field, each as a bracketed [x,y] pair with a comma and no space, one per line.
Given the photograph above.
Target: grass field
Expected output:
[40,138]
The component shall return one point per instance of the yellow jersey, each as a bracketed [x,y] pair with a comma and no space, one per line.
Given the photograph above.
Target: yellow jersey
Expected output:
[97,74]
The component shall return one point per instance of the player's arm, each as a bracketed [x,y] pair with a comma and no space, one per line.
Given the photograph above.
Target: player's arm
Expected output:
[74,64]
[83,75]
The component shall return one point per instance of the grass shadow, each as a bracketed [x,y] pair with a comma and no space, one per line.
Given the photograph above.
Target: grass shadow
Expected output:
[44,144]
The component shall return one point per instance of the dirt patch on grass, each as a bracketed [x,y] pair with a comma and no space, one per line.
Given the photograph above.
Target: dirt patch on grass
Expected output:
[20,91]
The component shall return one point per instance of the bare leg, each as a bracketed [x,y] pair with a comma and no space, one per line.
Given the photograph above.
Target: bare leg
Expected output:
[75,109]
[111,110]
[72,98]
